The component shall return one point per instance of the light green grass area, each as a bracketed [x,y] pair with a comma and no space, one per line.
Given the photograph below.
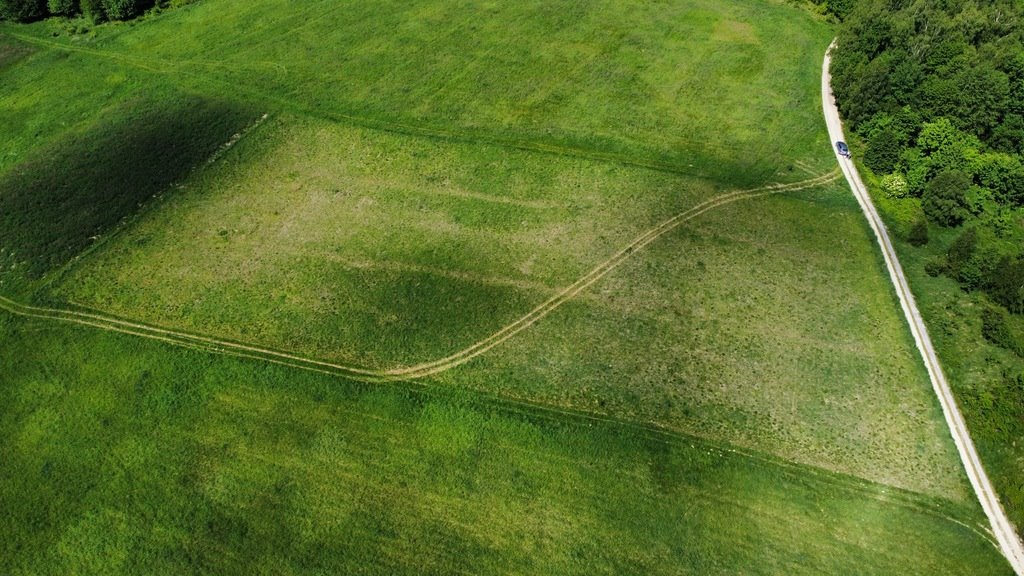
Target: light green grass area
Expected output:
[382,184]
[163,460]
[749,325]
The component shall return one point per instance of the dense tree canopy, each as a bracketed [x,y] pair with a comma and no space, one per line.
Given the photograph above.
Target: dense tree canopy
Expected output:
[945,198]
[96,10]
[934,83]
[935,90]
[22,10]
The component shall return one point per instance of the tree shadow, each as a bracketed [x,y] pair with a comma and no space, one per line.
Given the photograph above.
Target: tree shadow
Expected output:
[66,194]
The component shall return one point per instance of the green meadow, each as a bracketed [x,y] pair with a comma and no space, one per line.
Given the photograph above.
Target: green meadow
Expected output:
[164,460]
[382,185]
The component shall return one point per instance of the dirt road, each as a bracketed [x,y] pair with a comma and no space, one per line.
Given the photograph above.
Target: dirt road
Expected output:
[1003,530]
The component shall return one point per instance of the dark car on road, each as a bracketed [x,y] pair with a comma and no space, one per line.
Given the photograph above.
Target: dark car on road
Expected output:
[843,149]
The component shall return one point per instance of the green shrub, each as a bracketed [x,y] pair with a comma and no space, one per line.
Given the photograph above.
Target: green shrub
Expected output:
[995,327]
[1015,385]
[918,235]
[936,267]
[961,251]
[895,186]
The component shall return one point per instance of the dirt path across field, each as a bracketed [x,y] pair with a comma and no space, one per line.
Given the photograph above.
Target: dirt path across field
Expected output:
[221,346]
[1006,535]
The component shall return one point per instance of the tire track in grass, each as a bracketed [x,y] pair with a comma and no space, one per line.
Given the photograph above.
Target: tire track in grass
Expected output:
[241,349]
[598,272]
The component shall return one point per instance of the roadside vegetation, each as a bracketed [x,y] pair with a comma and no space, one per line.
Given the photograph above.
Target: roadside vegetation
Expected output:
[386,183]
[933,93]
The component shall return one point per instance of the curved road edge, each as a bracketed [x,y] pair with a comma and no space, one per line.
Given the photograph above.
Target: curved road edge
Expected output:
[1002,528]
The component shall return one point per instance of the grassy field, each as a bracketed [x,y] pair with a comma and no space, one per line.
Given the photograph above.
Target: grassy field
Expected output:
[384,184]
[723,328]
[752,334]
[172,461]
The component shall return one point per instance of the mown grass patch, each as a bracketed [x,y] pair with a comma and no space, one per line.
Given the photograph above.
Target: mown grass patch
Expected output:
[738,326]
[168,460]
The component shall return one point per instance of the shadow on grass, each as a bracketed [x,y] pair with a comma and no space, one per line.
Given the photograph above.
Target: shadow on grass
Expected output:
[63,196]
[11,52]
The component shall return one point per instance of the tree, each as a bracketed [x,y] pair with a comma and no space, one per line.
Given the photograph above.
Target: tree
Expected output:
[1008,136]
[945,198]
[883,151]
[973,259]
[907,75]
[62,7]
[984,93]
[1006,284]
[906,124]
[872,93]
[1003,174]
[93,10]
[946,148]
[917,170]
[22,10]
[839,8]
[124,9]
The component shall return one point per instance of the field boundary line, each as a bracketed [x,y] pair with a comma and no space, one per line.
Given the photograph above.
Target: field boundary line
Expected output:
[223,346]
[1009,542]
